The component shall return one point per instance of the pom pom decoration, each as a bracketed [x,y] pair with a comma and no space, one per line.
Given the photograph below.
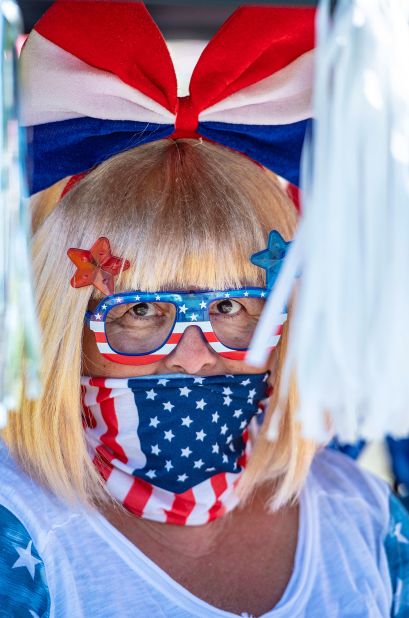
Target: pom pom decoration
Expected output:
[349,341]
[19,335]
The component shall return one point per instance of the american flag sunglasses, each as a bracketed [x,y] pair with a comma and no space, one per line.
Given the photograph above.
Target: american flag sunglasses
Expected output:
[125,333]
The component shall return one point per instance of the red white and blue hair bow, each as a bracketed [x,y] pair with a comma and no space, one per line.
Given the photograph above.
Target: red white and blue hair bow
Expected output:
[98,79]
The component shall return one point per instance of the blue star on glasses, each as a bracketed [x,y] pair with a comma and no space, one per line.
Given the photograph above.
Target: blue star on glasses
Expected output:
[271,258]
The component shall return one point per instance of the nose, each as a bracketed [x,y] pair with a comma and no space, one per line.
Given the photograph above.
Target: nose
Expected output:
[192,354]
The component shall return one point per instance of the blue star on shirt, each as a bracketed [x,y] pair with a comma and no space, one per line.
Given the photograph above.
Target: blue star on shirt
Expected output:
[271,258]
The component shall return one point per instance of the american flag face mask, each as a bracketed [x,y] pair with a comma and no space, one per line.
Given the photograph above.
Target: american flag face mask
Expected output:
[171,447]
[139,328]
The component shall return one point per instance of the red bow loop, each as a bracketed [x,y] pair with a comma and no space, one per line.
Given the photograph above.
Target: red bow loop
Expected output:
[254,43]
[187,118]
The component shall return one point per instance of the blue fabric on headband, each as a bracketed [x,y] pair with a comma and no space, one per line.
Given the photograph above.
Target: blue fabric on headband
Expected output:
[60,149]
[68,147]
[277,147]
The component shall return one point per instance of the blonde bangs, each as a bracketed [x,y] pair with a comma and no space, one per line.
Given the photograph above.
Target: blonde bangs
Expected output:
[180,262]
[184,213]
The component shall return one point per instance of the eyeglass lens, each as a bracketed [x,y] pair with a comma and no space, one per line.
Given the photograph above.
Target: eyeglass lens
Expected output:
[143,327]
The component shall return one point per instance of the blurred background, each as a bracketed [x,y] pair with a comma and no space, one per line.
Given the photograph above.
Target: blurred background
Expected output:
[177,20]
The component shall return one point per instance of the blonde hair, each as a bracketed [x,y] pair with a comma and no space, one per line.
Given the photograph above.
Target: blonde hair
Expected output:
[182,212]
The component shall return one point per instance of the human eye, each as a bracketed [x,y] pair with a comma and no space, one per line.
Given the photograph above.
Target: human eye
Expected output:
[137,312]
[237,307]
[226,307]
[145,310]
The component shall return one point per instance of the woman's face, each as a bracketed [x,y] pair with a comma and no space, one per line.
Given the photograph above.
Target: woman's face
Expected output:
[192,356]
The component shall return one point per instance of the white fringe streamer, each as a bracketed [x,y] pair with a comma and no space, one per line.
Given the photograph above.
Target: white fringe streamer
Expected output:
[349,338]
[19,336]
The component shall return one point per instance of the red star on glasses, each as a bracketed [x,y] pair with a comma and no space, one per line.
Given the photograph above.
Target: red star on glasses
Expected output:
[97,266]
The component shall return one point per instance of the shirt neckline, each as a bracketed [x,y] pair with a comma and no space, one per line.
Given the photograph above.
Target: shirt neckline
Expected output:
[295,595]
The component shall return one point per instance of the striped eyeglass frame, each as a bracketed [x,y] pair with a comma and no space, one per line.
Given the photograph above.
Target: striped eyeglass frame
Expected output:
[191,310]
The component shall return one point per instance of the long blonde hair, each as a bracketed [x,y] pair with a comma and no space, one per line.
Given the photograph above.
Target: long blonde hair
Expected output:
[182,212]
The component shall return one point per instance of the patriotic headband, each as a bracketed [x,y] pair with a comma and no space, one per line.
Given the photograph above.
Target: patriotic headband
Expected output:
[98,79]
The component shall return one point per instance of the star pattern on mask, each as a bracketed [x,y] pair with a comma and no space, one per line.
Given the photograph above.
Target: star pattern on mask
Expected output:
[184,391]
[193,426]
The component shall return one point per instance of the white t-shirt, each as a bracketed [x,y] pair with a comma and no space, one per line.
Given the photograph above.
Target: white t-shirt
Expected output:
[352,556]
